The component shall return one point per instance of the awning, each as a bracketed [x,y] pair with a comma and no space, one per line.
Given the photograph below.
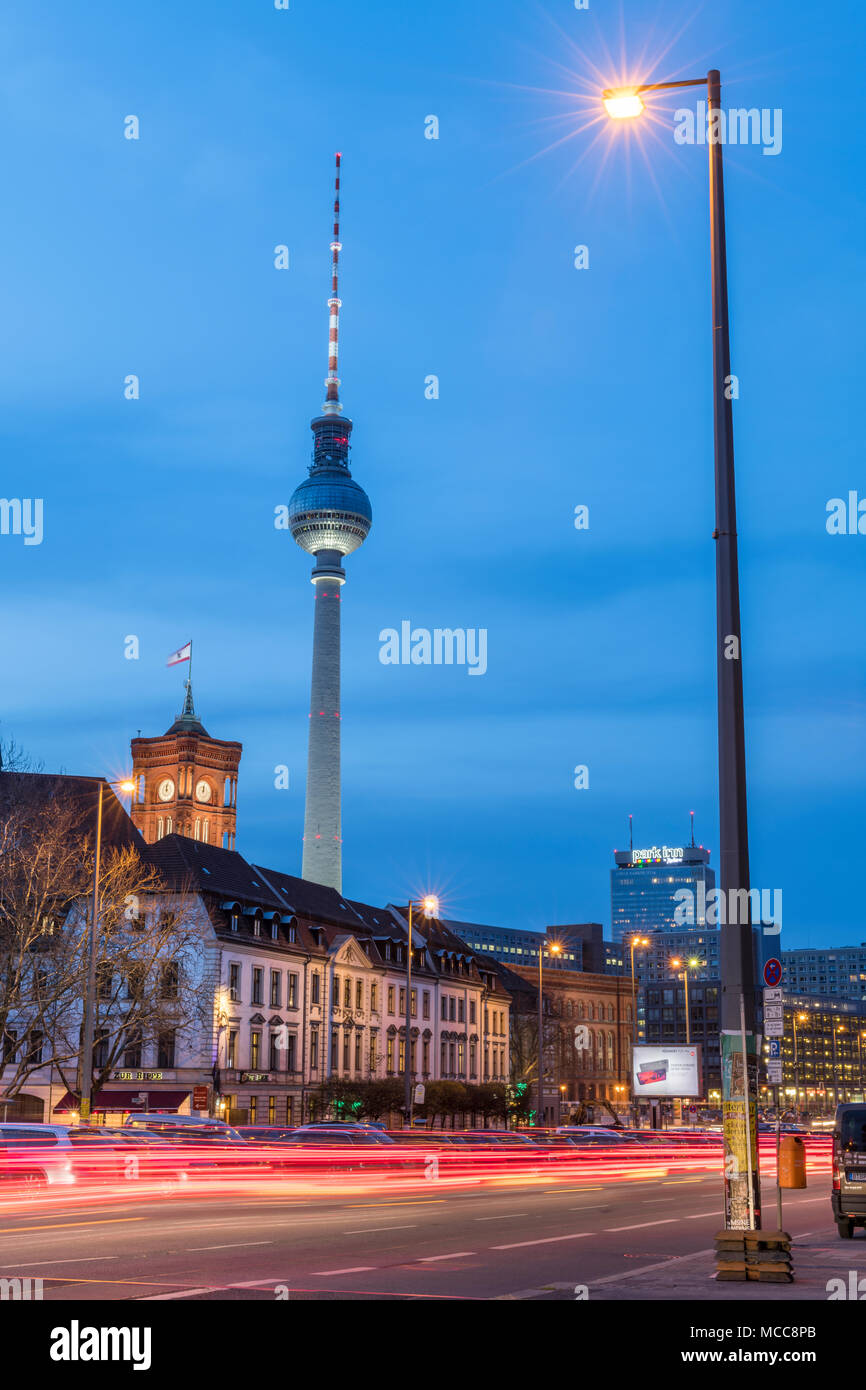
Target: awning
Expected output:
[128,1100]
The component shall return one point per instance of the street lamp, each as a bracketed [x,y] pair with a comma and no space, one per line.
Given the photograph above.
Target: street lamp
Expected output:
[692,964]
[738,1011]
[430,907]
[90,990]
[555,949]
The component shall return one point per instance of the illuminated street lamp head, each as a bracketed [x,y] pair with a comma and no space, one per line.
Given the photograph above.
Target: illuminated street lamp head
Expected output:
[622,103]
[694,962]
[676,962]
[555,948]
[127,786]
[430,905]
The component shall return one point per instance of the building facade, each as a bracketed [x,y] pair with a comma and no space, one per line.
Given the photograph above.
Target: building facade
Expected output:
[588,1025]
[644,884]
[836,971]
[823,1053]
[288,985]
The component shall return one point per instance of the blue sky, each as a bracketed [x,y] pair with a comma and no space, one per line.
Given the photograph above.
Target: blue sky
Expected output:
[558,387]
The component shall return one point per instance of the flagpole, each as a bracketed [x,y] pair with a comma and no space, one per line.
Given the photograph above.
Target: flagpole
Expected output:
[189,669]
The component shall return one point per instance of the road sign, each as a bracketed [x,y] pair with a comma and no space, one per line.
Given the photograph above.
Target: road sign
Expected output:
[774,996]
[774,1027]
[774,1011]
[772,971]
[775,1047]
[199,1097]
[774,1073]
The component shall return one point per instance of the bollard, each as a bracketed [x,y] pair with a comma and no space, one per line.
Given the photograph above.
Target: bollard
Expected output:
[792,1161]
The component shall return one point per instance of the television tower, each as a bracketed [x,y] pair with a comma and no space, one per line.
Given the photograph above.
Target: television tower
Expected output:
[329,516]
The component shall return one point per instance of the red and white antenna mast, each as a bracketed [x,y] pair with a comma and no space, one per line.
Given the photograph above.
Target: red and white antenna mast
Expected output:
[332,404]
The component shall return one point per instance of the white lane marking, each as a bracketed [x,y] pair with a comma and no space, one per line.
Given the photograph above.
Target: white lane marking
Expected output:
[668,1220]
[81,1259]
[234,1245]
[458,1255]
[365,1230]
[549,1240]
[696,1216]
[356,1269]
[187,1293]
[509,1216]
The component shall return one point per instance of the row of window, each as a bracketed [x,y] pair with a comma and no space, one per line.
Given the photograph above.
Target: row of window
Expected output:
[350,993]
[257,987]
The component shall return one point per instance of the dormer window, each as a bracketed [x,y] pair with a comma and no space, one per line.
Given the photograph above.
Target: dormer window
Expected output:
[275,929]
[293,934]
[257,926]
[234,921]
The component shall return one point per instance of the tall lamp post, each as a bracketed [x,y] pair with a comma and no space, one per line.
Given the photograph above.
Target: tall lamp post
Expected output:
[738,1011]
[555,949]
[430,907]
[92,939]
[684,967]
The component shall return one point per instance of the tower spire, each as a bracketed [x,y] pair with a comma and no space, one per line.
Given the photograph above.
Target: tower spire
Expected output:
[332,404]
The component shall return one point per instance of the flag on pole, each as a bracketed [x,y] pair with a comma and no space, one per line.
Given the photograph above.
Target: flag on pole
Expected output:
[182,654]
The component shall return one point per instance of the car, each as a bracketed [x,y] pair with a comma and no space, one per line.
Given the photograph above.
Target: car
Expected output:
[40,1155]
[194,1127]
[264,1134]
[848,1197]
[34,1156]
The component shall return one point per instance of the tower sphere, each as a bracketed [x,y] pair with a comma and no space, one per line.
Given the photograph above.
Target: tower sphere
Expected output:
[330,511]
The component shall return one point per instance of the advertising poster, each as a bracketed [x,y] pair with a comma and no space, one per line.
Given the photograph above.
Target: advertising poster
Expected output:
[741,1143]
[666,1071]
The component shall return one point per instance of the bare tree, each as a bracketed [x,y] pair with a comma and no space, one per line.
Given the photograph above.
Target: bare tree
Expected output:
[147,943]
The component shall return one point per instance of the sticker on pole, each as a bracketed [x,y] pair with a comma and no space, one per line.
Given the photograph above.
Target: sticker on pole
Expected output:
[772,972]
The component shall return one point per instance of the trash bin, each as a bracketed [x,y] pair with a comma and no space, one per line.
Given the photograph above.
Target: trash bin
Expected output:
[792,1161]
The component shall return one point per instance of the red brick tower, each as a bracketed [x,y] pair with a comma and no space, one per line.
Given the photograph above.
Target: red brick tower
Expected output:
[186,782]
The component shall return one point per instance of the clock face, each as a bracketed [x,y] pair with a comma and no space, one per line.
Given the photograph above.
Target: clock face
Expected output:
[202,791]
[165,790]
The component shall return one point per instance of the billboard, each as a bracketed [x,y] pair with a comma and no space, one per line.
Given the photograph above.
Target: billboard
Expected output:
[666,1071]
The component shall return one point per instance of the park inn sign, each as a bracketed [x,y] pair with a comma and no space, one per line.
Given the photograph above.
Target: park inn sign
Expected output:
[658,854]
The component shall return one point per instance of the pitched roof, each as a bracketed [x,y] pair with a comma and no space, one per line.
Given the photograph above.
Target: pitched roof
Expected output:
[39,788]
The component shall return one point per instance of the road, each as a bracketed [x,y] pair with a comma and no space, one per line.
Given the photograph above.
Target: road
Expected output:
[424,1242]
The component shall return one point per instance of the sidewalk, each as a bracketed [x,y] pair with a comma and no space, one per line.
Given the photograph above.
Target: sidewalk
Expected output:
[818,1256]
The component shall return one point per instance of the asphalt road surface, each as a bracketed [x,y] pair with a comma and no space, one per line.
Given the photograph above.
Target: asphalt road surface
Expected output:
[427,1242]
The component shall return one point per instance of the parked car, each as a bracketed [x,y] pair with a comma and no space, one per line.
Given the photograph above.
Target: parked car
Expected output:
[40,1155]
[848,1199]
[194,1127]
[34,1156]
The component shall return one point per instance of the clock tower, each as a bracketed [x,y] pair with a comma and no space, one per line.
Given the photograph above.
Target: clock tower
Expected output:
[186,782]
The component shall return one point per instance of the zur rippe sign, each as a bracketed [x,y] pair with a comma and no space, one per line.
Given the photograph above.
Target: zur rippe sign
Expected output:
[666,1071]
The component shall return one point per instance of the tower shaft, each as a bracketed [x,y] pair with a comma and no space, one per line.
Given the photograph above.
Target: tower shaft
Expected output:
[323,857]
